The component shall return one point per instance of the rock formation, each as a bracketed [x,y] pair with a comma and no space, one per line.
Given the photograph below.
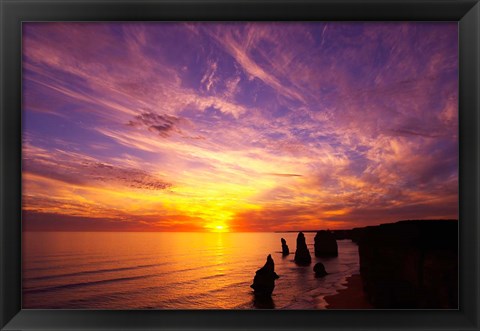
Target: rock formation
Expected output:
[285,250]
[302,255]
[410,264]
[319,270]
[264,280]
[325,244]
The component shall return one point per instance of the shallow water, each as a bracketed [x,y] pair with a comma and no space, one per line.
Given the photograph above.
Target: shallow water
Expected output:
[153,270]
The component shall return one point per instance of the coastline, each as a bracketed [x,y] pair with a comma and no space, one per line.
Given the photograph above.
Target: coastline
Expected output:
[352,297]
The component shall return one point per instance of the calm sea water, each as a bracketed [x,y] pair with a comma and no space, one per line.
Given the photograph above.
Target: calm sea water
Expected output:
[118,270]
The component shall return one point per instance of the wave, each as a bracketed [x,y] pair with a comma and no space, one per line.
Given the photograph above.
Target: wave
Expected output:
[112,280]
[83,284]
[90,272]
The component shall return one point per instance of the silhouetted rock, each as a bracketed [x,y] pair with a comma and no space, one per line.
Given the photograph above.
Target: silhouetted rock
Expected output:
[319,270]
[341,234]
[302,255]
[410,264]
[353,234]
[264,280]
[285,250]
[325,244]
[263,302]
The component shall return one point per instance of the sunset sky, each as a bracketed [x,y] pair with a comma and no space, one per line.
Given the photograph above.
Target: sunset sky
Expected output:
[238,126]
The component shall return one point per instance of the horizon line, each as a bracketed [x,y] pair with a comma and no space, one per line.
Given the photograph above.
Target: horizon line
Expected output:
[271,231]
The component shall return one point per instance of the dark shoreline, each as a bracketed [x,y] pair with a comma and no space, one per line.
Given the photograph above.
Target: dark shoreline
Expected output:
[355,233]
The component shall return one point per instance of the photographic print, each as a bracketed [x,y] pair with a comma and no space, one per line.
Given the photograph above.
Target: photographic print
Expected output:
[240,165]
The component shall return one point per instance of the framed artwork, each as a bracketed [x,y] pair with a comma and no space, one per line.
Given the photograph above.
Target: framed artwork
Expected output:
[240,165]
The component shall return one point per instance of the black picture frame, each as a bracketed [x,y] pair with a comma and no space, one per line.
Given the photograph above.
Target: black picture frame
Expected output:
[14,12]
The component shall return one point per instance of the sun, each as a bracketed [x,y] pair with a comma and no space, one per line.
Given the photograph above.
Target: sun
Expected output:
[218,228]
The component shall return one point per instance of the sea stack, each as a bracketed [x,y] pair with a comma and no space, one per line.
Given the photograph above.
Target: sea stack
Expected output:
[285,250]
[325,244]
[319,270]
[264,280]
[302,255]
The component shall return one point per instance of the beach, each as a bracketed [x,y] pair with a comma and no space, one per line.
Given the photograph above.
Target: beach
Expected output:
[352,297]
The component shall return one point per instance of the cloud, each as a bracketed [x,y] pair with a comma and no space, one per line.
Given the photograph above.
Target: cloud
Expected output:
[284,175]
[38,221]
[239,49]
[209,78]
[77,169]
[161,124]
[406,132]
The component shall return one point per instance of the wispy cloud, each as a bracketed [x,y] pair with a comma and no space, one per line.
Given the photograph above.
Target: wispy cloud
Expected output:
[78,169]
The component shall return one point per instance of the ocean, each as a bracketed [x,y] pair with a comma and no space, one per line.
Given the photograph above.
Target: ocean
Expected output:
[167,270]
